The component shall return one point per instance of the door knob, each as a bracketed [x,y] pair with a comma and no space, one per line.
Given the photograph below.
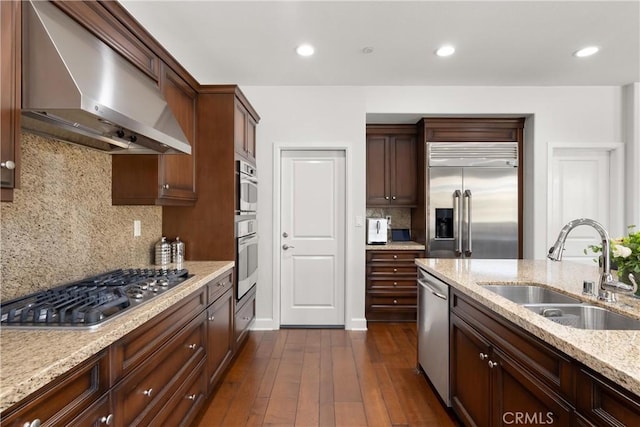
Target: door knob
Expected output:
[285,247]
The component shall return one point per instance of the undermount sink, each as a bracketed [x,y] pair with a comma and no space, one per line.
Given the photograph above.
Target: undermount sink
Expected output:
[584,316]
[563,309]
[531,294]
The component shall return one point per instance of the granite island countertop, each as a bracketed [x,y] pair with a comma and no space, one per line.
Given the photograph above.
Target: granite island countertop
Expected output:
[397,246]
[30,358]
[614,354]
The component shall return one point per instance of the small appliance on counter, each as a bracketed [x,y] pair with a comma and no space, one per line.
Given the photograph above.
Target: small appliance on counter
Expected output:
[377,231]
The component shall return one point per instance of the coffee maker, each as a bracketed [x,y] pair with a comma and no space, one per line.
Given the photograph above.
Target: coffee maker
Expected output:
[377,231]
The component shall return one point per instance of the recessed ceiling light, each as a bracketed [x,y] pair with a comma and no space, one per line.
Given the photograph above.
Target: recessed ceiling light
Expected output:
[586,51]
[305,50]
[445,51]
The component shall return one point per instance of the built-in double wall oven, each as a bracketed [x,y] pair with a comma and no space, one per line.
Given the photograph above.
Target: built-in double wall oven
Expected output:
[246,228]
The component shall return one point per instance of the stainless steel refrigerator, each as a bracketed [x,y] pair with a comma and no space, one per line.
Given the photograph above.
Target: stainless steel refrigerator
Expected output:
[472,200]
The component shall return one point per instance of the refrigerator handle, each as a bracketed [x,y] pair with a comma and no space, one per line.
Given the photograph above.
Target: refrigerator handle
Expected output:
[467,195]
[457,222]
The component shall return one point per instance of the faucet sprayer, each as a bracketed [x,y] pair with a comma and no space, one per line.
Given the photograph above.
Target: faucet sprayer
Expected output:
[607,284]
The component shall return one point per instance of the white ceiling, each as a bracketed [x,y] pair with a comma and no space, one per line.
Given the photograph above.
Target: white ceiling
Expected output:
[508,43]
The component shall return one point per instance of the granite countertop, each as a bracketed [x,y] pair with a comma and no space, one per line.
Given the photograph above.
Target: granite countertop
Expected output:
[397,246]
[32,358]
[614,354]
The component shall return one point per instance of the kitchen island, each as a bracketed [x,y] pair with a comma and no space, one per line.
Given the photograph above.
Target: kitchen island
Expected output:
[568,354]
[33,358]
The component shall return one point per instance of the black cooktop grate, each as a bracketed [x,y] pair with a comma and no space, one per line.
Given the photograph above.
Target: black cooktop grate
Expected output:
[90,301]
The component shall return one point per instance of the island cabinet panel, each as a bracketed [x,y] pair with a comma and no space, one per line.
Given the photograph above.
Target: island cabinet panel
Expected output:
[391,293]
[603,403]
[501,375]
[10,97]
[392,166]
[65,399]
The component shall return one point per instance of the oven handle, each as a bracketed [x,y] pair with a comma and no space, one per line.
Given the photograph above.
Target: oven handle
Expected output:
[249,178]
[247,240]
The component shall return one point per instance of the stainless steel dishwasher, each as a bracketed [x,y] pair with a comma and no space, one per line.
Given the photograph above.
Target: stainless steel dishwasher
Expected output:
[433,332]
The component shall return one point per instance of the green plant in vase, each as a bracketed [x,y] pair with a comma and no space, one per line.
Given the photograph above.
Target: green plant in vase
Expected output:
[625,254]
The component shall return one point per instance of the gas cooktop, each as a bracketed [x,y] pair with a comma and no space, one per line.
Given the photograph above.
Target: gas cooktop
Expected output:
[89,302]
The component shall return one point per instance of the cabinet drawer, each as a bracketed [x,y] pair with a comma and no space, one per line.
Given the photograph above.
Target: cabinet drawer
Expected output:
[393,270]
[185,404]
[551,367]
[402,283]
[147,389]
[219,286]
[65,398]
[408,256]
[136,347]
[97,415]
[392,300]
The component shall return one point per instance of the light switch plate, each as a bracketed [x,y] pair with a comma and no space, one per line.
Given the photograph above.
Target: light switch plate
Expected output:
[137,228]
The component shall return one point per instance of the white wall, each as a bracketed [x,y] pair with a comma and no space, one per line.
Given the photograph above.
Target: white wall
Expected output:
[319,114]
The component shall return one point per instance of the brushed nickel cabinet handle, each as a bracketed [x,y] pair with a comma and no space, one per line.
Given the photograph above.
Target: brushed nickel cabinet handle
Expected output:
[492,364]
[9,165]
[211,318]
[165,186]
[483,356]
[192,346]
[148,393]
[191,396]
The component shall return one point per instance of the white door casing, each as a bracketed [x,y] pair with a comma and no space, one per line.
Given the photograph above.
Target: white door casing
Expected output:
[585,181]
[312,238]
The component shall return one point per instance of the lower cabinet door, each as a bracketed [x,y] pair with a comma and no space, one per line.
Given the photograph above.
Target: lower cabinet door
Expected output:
[471,376]
[220,336]
[519,399]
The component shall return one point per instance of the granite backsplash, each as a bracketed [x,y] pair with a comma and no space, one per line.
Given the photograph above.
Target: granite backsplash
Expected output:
[61,225]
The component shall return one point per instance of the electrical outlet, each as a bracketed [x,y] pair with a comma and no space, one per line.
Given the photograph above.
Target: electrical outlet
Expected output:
[137,228]
[388,220]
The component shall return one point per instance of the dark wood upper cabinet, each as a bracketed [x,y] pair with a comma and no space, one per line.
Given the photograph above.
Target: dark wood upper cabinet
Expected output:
[244,126]
[10,97]
[220,124]
[392,166]
[167,179]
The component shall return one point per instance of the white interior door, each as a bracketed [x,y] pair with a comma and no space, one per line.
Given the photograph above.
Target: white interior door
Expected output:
[312,238]
[581,183]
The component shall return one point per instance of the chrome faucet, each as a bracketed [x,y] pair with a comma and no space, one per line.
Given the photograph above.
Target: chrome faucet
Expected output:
[608,286]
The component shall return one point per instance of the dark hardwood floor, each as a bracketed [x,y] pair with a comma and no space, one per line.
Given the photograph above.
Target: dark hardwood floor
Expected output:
[327,377]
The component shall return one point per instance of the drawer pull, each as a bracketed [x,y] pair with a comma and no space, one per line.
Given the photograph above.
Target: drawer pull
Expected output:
[191,396]
[395,257]
[211,318]
[34,423]
[492,364]
[483,356]
[192,346]
[106,420]
[221,284]
[395,270]
[148,392]
[395,283]
[246,318]
[395,301]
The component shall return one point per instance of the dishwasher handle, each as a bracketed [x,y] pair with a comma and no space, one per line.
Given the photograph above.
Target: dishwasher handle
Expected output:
[432,290]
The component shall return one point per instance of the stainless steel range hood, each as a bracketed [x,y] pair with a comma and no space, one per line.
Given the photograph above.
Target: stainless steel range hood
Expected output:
[77,89]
